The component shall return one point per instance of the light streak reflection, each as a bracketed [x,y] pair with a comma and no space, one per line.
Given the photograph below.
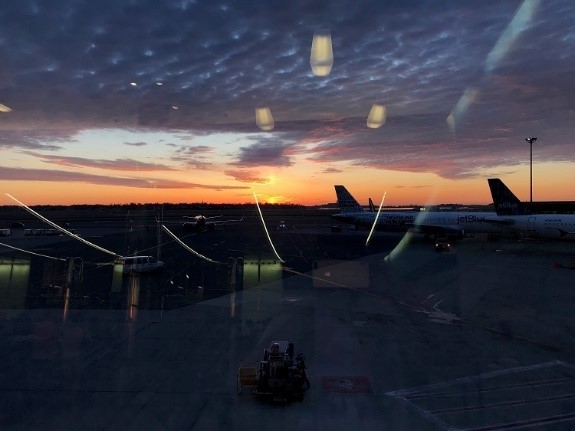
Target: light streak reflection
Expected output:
[518,24]
[375,220]
[179,241]
[465,101]
[133,297]
[66,308]
[31,252]
[266,229]
[520,21]
[60,228]
[399,247]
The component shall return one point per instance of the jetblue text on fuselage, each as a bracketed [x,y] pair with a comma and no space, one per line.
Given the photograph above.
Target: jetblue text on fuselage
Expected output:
[397,219]
[470,218]
[507,205]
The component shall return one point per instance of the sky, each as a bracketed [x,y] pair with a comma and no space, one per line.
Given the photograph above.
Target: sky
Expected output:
[122,101]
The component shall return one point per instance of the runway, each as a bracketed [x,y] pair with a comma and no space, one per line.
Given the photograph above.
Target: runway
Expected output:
[479,338]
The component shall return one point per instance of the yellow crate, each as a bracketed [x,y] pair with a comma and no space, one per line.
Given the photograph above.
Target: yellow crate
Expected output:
[246,377]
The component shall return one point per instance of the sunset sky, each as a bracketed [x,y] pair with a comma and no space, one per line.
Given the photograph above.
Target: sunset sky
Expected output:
[120,101]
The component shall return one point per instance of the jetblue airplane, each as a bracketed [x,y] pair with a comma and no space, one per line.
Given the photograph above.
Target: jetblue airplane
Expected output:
[426,222]
[514,215]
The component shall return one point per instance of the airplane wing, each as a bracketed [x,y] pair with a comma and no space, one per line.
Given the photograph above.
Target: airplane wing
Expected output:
[202,217]
[223,222]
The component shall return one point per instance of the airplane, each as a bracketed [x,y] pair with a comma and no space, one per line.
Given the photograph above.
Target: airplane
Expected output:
[437,223]
[202,223]
[516,217]
[371,206]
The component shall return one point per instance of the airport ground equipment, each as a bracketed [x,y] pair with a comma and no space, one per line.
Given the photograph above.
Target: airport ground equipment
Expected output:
[279,376]
[442,244]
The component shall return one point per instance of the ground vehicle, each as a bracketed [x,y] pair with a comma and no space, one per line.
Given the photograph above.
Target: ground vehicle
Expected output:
[442,244]
[139,264]
[278,375]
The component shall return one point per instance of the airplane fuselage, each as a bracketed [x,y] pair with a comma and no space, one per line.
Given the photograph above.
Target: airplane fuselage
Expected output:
[520,220]
[395,222]
[425,221]
[551,226]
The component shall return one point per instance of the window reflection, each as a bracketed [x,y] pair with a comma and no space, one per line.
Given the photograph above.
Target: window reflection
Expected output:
[122,122]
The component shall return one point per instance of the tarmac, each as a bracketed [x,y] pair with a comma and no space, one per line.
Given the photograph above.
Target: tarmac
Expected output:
[396,337]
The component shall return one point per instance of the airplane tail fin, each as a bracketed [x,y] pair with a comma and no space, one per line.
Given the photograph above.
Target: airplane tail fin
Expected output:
[506,203]
[346,202]
[371,206]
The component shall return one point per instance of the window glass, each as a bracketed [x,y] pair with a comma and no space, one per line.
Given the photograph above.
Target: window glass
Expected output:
[307,214]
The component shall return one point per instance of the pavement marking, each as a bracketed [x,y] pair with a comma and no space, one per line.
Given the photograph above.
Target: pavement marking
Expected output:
[539,394]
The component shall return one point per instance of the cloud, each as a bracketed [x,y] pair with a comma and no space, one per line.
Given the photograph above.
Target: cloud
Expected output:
[332,171]
[46,175]
[258,53]
[193,150]
[403,54]
[115,165]
[411,187]
[427,146]
[444,158]
[71,66]
[196,157]
[48,140]
[246,176]
[265,152]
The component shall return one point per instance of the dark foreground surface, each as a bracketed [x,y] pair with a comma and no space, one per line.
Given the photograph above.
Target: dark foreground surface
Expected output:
[396,336]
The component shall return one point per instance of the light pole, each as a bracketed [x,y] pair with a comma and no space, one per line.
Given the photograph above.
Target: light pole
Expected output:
[531,140]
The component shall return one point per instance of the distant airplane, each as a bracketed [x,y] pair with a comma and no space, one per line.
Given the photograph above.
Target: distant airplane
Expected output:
[202,223]
[371,206]
[514,215]
[426,222]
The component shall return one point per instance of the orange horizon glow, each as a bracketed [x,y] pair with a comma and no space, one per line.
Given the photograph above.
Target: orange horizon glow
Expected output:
[290,186]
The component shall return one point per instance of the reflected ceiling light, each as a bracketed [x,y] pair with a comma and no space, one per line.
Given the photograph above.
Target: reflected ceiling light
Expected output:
[451,122]
[4,108]
[175,107]
[264,118]
[468,97]
[133,84]
[519,23]
[321,57]
[159,83]
[376,117]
